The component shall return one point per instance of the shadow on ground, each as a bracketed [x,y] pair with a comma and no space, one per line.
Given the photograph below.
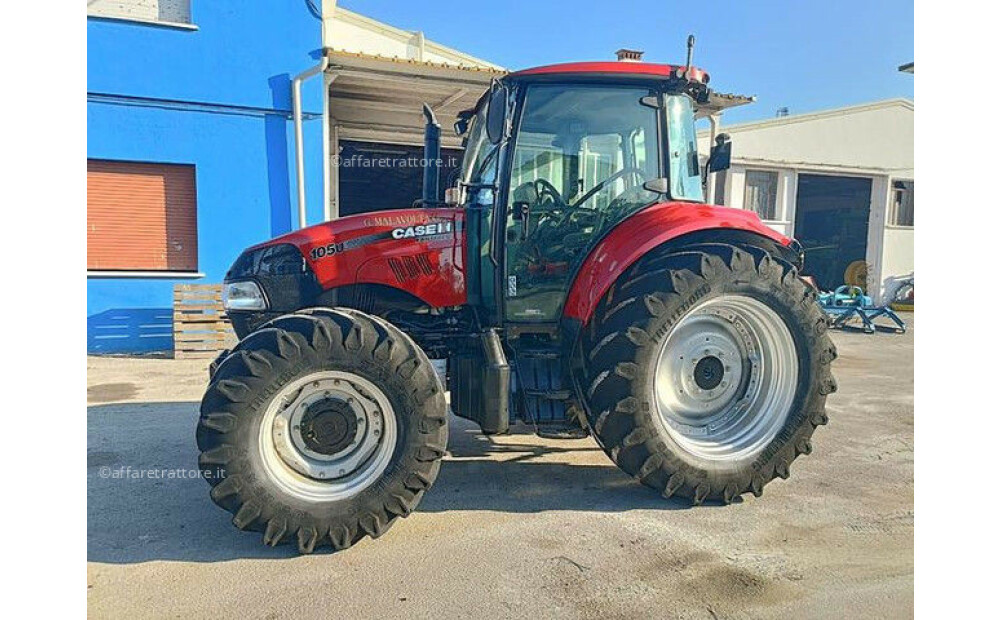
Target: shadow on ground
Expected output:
[136,516]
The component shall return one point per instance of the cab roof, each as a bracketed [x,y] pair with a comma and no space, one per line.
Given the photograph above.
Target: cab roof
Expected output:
[616,68]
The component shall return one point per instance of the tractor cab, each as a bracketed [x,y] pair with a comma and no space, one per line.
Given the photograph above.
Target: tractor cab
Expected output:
[557,156]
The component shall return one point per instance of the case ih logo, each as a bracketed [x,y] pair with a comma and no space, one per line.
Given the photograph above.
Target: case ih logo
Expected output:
[423,230]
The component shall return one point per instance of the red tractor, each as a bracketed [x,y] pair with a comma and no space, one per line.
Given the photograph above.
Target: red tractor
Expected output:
[573,278]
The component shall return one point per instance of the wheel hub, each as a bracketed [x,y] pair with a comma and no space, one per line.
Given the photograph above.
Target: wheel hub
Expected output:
[708,372]
[329,426]
[328,435]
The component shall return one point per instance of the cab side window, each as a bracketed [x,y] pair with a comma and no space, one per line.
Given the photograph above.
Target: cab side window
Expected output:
[581,156]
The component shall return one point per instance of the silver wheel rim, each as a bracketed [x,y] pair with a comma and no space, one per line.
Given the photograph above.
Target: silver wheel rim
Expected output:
[724,379]
[327,436]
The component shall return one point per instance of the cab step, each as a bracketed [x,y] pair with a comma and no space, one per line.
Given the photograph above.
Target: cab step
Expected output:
[549,394]
[540,354]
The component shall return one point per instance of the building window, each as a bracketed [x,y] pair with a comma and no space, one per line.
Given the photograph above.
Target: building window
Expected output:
[719,193]
[165,11]
[141,217]
[761,193]
[902,203]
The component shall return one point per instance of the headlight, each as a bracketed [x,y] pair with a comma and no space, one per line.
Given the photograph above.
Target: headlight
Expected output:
[244,295]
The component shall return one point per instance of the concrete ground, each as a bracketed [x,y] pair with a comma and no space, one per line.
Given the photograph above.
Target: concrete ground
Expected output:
[516,526]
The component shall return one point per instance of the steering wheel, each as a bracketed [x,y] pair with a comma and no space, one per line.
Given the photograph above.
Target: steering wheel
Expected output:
[543,188]
[593,190]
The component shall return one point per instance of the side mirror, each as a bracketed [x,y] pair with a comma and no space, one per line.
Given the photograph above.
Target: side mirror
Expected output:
[462,123]
[496,114]
[721,153]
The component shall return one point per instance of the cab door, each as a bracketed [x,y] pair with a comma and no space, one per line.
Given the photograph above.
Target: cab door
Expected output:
[581,155]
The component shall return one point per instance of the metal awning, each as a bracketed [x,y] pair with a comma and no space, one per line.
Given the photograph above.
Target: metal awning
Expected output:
[379,99]
[717,102]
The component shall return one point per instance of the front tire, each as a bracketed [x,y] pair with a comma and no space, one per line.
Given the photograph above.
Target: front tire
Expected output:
[706,370]
[322,427]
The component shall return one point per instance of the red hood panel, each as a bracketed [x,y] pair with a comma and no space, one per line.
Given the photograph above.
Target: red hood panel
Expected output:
[421,251]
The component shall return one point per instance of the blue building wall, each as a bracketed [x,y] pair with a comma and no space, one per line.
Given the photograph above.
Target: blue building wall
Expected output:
[218,97]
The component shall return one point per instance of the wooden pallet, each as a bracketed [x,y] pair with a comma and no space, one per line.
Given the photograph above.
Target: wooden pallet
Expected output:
[201,328]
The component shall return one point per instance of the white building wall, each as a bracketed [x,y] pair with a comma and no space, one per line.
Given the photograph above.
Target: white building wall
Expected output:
[897,259]
[873,141]
[868,137]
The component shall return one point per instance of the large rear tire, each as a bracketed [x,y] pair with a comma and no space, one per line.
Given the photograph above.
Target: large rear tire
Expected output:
[706,370]
[322,427]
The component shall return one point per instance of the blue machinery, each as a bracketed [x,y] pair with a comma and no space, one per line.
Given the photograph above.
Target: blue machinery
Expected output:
[849,302]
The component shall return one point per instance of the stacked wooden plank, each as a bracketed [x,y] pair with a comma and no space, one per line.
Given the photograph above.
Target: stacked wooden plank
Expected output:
[201,328]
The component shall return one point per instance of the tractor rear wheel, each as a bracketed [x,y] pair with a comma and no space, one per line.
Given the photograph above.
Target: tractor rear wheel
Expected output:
[706,370]
[322,427]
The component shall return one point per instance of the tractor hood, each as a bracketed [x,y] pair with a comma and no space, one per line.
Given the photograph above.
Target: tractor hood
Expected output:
[420,251]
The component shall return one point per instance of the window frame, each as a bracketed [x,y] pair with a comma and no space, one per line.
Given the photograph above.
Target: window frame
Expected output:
[145,21]
[890,220]
[146,273]
[665,160]
[779,215]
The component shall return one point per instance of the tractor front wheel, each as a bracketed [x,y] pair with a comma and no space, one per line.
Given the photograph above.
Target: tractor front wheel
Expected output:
[706,370]
[322,427]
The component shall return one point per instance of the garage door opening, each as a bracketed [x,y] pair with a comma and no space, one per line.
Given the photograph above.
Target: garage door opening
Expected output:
[376,177]
[831,223]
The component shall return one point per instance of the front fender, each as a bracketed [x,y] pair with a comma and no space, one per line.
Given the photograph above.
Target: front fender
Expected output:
[640,233]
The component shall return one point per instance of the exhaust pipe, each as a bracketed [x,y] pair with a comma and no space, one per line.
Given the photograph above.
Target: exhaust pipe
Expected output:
[432,158]
[687,68]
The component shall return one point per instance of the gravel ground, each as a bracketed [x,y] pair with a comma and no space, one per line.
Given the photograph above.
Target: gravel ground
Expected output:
[516,526]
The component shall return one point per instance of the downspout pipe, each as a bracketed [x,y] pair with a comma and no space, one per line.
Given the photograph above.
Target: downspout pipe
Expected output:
[300,173]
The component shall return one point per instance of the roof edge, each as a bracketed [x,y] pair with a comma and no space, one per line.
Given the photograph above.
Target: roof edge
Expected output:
[345,57]
[400,33]
[820,114]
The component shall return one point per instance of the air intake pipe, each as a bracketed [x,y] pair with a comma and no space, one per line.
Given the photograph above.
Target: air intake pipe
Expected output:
[432,158]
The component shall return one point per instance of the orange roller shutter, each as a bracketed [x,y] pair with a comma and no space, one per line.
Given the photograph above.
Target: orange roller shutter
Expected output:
[141,217]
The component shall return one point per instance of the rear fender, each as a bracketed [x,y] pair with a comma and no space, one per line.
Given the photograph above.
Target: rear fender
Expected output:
[640,233]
